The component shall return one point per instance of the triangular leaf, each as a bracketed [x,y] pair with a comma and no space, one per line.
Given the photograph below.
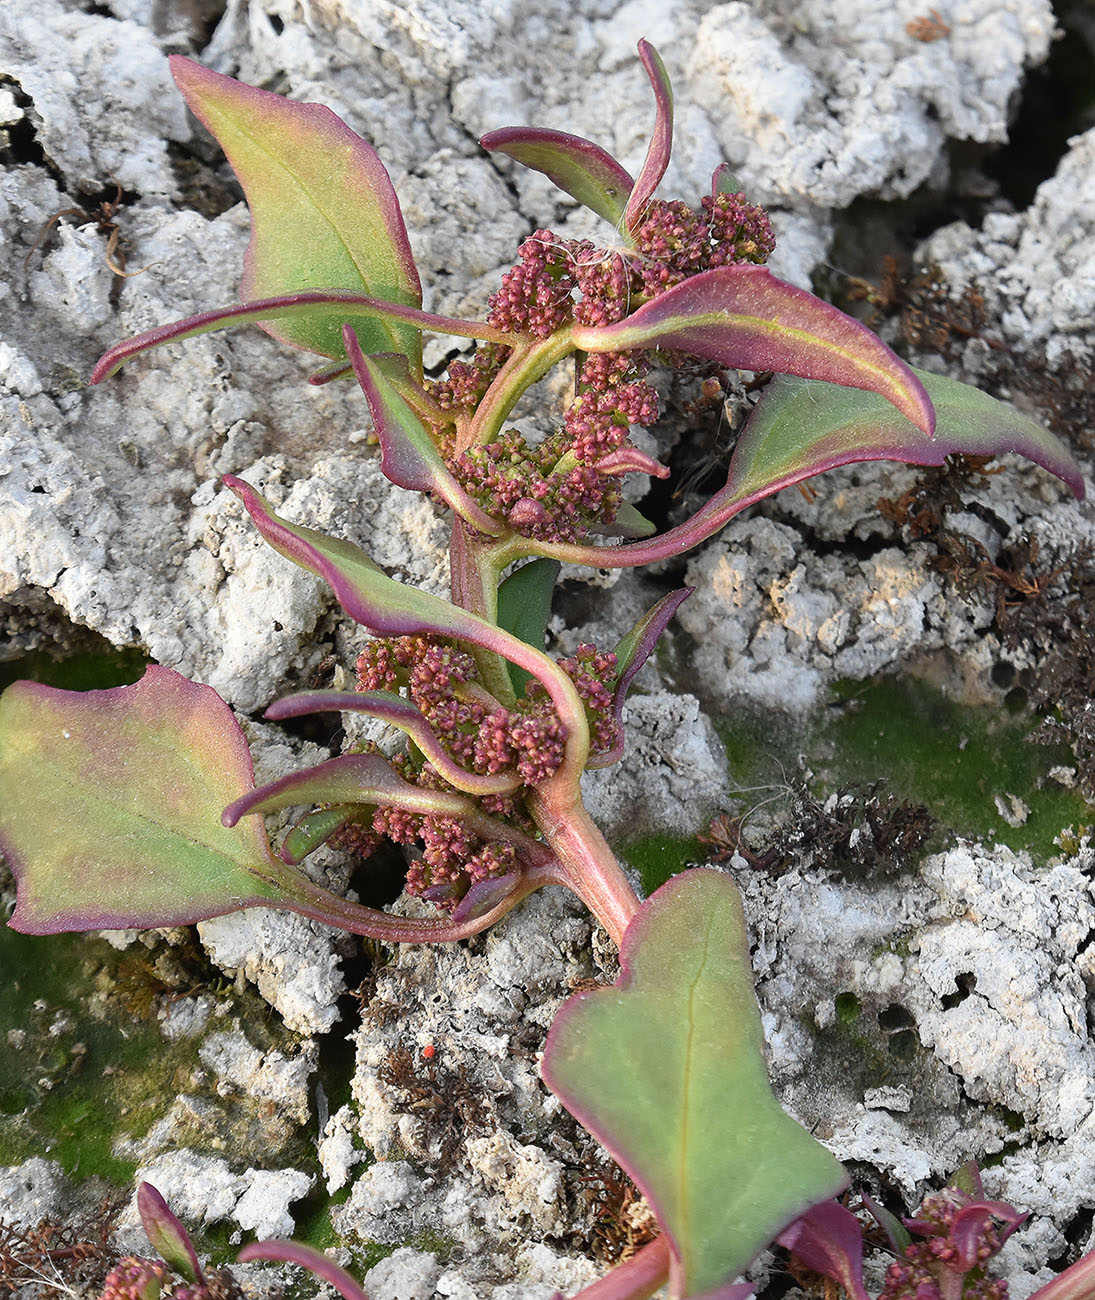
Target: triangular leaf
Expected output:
[743,316]
[666,1069]
[110,806]
[323,211]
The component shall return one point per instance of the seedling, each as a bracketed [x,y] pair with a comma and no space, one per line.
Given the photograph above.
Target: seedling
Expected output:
[144,794]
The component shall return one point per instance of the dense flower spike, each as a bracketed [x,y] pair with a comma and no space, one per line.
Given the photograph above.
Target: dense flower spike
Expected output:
[485,737]
[134,1278]
[959,1234]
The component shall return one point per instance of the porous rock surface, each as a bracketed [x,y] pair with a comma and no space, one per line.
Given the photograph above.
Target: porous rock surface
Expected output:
[111,520]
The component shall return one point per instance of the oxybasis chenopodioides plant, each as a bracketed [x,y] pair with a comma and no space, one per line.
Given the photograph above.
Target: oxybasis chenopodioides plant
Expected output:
[136,807]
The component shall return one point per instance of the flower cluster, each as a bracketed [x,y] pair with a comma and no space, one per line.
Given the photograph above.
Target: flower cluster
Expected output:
[560,489]
[526,739]
[959,1235]
[133,1278]
[541,491]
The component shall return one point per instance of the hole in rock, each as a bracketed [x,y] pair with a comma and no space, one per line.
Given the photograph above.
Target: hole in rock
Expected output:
[903,1044]
[896,1016]
[964,985]
[848,1007]
[1003,674]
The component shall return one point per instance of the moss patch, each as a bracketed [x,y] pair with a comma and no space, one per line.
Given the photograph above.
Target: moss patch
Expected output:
[657,857]
[953,758]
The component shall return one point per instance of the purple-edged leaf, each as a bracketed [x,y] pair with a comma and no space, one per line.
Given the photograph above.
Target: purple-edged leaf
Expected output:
[324,214]
[389,608]
[968,1228]
[661,142]
[799,428]
[293,1252]
[401,713]
[666,1070]
[633,650]
[110,806]
[409,457]
[352,778]
[828,1239]
[743,316]
[579,167]
[333,306]
[483,896]
[313,829]
[524,607]
[166,1235]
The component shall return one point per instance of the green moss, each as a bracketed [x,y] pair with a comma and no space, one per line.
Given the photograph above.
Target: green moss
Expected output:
[657,857]
[76,1068]
[847,1008]
[953,758]
[91,670]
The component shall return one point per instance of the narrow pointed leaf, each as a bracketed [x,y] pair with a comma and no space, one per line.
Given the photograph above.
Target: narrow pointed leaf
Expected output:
[166,1235]
[409,457]
[295,1252]
[799,428]
[314,829]
[666,1070]
[896,1232]
[324,214]
[632,652]
[401,713]
[524,607]
[579,167]
[743,316]
[661,141]
[110,806]
[333,306]
[353,779]
[630,460]
[390,608]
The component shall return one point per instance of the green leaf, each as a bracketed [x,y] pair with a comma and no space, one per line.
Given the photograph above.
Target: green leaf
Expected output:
[166,1235]
[323,211]
[524,607]
[666,1070]
[110,806]
[802,427]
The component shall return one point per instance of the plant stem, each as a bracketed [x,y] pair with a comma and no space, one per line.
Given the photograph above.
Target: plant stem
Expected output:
[588,864]
[1077,1282]
[636,1278]
[474,585]
[530,361]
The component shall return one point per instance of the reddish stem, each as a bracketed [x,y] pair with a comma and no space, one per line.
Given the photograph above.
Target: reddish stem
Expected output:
[635,1278]
[589,866]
